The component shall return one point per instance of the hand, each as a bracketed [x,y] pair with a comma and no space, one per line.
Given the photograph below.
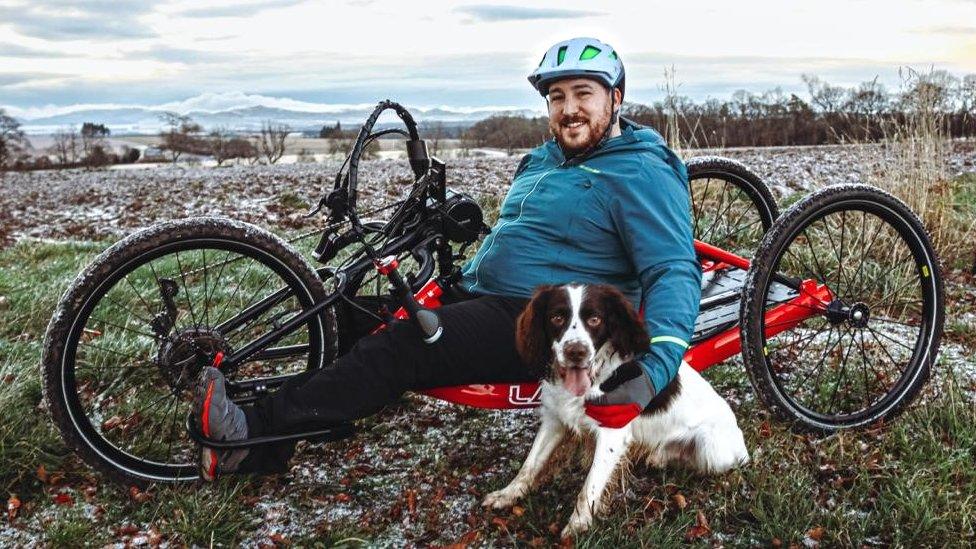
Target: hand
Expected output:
[626,392]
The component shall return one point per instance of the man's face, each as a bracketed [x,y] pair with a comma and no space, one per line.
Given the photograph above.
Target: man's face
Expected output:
[579,111]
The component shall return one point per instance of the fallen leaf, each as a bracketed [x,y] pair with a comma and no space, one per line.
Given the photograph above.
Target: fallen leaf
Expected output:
[679,500]
[411,502]
[279,539]
[155,537]
[42,473]
[700,529]
[127,530]
[466,540]
[137,495]
[654,506]
[765,431]
[64,498]
[776,542]
[518,510]
[111,423]
[343,497]
[701,521]
[438,496]
[13,504]
[500,522]
[816,533]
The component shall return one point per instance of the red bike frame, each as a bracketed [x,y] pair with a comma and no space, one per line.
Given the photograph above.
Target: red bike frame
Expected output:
[812,300]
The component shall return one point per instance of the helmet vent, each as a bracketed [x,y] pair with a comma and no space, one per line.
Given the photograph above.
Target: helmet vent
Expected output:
[589,53]
[561,56]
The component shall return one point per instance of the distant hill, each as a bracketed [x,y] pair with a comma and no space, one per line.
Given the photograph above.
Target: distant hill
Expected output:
[139,120]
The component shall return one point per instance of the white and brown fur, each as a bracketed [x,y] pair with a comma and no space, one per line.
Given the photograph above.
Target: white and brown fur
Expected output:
[594,327]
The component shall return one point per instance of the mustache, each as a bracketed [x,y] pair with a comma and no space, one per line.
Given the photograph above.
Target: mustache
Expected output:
[567,120]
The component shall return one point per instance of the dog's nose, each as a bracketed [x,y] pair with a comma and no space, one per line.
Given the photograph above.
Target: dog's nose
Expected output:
[575,352]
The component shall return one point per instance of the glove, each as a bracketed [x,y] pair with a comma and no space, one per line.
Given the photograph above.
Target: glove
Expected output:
[626,392]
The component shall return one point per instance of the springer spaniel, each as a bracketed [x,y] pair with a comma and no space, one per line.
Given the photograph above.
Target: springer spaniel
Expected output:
[578,336]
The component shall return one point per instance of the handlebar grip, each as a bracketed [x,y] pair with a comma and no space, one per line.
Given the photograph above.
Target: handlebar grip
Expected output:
[419,157]
[422,255]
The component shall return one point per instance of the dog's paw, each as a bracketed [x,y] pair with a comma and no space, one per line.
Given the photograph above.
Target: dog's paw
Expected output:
[502,499]
[576,526]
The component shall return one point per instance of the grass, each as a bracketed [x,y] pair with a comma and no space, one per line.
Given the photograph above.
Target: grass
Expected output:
[910,483]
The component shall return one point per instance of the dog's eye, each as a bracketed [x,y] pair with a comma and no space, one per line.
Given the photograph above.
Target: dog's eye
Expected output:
[557,320]
[594,321]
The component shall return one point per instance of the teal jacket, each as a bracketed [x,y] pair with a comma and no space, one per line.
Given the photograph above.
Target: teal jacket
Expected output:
[618,216]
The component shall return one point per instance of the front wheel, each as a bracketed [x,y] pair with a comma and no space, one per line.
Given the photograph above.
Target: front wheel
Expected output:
[867,317]
[133,331]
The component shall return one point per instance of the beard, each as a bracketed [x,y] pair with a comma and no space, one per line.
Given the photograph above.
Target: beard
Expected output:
[577,133]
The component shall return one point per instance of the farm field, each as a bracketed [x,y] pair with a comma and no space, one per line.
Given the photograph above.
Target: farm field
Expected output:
[417,473]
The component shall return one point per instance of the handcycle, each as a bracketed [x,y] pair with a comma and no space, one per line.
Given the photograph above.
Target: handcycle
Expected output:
[835,306]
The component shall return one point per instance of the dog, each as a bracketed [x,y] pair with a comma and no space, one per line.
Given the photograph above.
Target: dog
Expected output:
[576,337]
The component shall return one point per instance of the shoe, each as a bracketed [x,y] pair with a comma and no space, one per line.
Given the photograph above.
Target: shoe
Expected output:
[217,417]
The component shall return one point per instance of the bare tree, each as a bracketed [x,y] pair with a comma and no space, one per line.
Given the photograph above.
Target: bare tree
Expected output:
[178,137]
[224,146]
[435,133]
[65,147]
[219,141]
[271,142]
[93,143]
[828,98]
[13,142]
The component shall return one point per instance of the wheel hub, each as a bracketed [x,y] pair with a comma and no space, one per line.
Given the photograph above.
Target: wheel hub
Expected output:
[859,315]
[184,354]
[856,315]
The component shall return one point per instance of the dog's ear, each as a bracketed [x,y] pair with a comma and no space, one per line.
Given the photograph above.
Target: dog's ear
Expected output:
[531,336]
[627,333]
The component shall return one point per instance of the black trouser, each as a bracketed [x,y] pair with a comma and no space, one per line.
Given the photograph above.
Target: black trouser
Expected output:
[477,346]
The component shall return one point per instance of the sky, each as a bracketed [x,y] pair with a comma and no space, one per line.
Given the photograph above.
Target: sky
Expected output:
[58,55]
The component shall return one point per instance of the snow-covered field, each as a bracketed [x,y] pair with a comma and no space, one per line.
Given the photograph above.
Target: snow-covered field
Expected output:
[109,204]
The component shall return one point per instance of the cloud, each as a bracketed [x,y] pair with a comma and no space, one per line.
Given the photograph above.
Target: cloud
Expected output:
[8,49]
[65,20]
[240,10]
[954,30]
[8,79]
[490,13]
[171,54]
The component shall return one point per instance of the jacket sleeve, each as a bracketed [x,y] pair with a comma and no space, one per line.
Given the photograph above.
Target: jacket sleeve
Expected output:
[651,214]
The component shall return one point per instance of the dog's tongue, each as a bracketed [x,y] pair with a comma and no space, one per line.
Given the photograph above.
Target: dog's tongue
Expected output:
[577,381]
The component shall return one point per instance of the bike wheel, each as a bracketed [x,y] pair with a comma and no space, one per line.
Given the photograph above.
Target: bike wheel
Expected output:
[731,207]
[136,327]
[865,348]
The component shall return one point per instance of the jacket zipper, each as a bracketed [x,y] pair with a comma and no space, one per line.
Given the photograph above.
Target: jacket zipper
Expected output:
[477,269]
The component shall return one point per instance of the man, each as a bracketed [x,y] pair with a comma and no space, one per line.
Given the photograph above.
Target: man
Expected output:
[604,201]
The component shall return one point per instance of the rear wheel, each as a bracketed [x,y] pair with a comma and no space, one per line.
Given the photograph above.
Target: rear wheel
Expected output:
[133,332]
[868,338]
[731,207]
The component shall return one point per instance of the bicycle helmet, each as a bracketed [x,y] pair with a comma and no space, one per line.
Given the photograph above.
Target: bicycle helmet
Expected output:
[579,57]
